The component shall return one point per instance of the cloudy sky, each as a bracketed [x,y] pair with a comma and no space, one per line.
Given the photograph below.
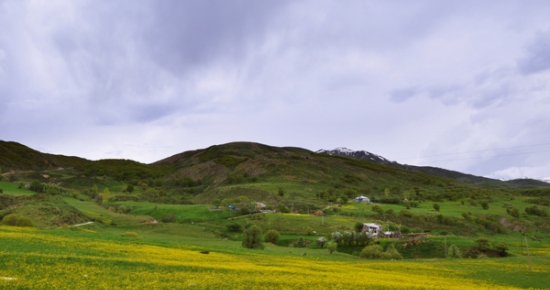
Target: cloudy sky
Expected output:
[463,85]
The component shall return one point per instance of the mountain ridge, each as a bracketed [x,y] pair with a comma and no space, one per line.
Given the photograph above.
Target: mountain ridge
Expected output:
[441,172]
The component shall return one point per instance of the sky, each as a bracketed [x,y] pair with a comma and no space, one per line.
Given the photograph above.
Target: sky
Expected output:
[462,85]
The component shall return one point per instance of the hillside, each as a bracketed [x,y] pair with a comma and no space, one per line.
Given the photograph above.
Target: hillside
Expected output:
[455,175]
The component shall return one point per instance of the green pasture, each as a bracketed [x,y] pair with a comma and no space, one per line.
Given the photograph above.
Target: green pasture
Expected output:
[12,188]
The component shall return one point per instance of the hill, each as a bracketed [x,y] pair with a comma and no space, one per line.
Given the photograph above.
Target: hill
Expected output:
[455,175]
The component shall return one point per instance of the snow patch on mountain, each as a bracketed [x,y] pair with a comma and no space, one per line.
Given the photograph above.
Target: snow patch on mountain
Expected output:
[361,154]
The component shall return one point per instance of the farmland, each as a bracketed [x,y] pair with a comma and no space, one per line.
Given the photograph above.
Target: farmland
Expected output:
[38,259]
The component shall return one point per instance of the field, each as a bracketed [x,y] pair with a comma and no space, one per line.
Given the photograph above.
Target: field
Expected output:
[57,259]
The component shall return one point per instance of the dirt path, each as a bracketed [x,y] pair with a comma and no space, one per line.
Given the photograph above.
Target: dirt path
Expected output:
[83,224]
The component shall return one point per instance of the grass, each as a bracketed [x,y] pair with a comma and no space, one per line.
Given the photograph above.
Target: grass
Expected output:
[37,259]
[11,188]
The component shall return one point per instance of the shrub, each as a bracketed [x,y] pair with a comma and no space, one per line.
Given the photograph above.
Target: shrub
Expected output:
[358,227]
[513,212]
[321,242]
[406,213]
[405,230]
[436,207]
[252,238]
[1,190]
[234,227]
[534,210]
[391,253]
[36,186]
[454,252]
[130,234]
[371,252]
[17,221]
[485,205]
[482,243]
[378,209]
[272,236]
[309,231]
[501,248]
[332,246]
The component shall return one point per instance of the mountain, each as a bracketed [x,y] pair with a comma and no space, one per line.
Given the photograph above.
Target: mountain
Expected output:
[455,175]
[362,155]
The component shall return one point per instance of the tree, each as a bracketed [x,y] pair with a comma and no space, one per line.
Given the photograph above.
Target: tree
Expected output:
[226,202]
[378,209]
[436,207]
[94,190]
[52,190]
[309,231]
[485,204]
[371,252]
[36,186]
[17,221]
[482,243]
[392,253]
[321,242]
[130,188]
[513,212]
[217,202]
[272,236]
[105,195]
[501,247]
[252,238]
[358,227]
[234,227]
[332,246]
[281,192]
[454,252]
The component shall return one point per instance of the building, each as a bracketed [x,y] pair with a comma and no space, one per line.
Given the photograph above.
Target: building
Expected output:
[362,199]
[373,229]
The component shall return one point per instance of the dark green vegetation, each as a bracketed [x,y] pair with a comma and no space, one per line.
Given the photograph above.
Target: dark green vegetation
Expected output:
[315,191]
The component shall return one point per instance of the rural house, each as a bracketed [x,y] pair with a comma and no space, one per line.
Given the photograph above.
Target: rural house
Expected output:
[373,229]
[362,199]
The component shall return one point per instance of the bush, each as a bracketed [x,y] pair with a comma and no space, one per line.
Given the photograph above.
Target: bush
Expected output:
[513,212]
[36,186]
[234,227]
[272,236]
[1,190]
[484,205]
[371,252]
[454,252]
[252,238]
[482,243]
[501,248]
[391,253]
[358,227]
[17,221]
[378,209]
[321,242]
[405,230]
[534,210]
[332,246]
[436,207]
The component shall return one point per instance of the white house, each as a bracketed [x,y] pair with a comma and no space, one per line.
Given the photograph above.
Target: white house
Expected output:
[373,229]
[362,199]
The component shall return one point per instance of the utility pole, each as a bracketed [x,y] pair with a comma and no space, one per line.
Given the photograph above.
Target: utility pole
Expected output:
[445,246]
[528,256]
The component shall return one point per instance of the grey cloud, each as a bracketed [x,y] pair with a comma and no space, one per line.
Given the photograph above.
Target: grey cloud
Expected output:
[537,55]
[184,35]
[402,95]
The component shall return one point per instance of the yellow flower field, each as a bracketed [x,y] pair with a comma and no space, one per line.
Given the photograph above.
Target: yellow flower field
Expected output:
[58,262]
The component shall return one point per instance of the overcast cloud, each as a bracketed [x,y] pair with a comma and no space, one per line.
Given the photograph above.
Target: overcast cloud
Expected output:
[463,85]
